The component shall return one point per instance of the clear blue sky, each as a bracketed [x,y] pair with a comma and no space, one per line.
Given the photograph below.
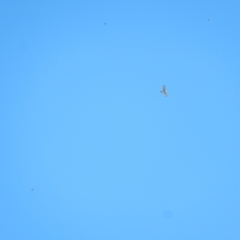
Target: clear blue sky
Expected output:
[90,149]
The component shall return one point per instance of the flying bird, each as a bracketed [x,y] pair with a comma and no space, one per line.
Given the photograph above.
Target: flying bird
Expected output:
[164,91]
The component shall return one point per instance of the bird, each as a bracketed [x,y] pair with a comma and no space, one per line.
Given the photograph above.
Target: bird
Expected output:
[164,91]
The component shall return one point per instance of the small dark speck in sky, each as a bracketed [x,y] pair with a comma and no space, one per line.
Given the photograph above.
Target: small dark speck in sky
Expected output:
[105,23]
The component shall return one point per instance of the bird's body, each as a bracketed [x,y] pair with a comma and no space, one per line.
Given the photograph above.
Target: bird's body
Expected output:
[164,91]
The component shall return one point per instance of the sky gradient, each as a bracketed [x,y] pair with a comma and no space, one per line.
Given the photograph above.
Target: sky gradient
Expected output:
[90,149]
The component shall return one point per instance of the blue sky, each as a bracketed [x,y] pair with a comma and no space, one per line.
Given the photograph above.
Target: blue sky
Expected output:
[89,147]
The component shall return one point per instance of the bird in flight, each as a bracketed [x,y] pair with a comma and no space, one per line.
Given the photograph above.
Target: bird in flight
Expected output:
[164,91]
